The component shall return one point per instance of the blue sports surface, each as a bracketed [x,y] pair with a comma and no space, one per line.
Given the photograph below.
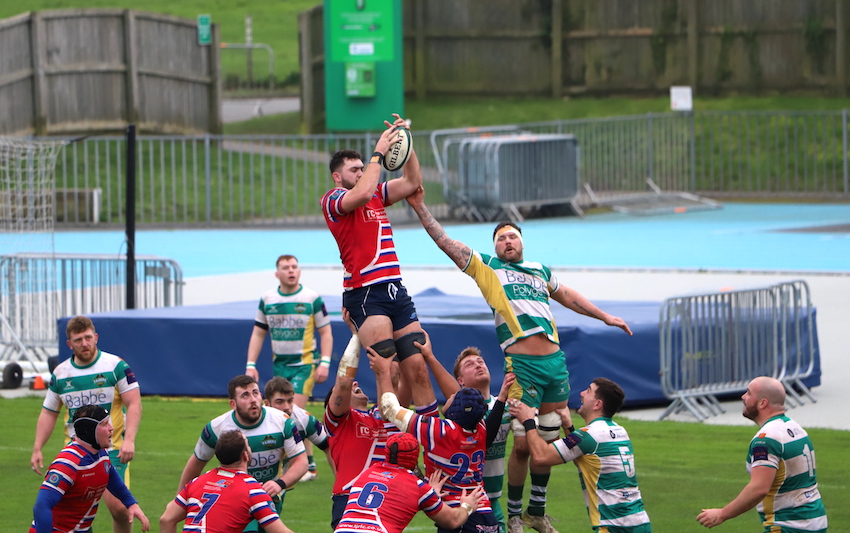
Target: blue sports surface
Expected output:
[750,237]
[759,237]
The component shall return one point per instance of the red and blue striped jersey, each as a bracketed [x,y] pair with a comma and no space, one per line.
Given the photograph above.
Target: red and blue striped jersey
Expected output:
[356,441]
[224,500]
[80,478]
[364,237]
[458,452]
[385,499]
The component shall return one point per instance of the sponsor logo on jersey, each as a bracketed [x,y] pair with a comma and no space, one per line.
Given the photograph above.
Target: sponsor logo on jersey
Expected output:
[366,432]
[54,478]
[75,400]
[760,453]
[791,433]
[374,215]
[93,493]
[269,442]
[572,440]
[131,377]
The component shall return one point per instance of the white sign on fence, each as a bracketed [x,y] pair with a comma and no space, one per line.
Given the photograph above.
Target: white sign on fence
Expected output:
[681,99]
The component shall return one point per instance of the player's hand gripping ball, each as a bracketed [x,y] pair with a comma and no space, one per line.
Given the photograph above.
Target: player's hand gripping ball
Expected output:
[400,151]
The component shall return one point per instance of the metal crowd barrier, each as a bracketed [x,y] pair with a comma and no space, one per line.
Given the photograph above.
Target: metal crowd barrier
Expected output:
[39,288]
[714,344]
[489,173]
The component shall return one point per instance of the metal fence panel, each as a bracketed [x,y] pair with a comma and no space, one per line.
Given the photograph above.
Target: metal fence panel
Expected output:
[211,180]
[38,289]
[714,344]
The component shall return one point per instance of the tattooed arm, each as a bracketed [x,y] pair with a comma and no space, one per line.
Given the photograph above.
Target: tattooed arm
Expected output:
[456,250]
[572,299]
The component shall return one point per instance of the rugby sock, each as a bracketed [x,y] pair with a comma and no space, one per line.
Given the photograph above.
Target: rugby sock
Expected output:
[311,464]
[515,500]
[433,409]
[537,500]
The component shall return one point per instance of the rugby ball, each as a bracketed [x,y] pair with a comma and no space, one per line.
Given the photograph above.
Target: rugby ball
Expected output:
[399,152]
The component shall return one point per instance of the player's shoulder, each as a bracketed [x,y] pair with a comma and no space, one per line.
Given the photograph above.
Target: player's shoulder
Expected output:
[276,417]
[222,422]
[781,429]
[109,358]
[334,194]
[309,294]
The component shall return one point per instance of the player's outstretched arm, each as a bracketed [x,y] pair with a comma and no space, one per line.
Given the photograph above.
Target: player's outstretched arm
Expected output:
[445,380]
[761,479]
[411,179]
[133,400]
[43,429]
[362,192]
[454,517]
[276,526]
[456,250]
[173,514]
[255,345]
[193,469]
[542,453]
[575,301]
[137,513]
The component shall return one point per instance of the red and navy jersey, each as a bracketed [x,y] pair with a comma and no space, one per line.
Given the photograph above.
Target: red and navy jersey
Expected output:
[381,500]
[458,452]
[356,441]
[364,237]
[224,500]
[80,478]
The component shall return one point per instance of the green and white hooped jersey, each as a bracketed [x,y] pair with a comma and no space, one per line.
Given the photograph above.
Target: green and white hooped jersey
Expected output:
[292,320]
[101,382]
[603,454]
[518,293]
[273,438]
[794,502]
[494,459]
[309,427]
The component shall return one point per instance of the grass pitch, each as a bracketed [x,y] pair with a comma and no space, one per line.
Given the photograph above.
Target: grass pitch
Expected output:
[681,467]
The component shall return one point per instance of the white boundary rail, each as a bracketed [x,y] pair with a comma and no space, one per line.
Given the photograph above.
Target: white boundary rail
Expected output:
[39,288]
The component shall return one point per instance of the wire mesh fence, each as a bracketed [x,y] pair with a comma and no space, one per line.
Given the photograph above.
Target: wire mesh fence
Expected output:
[267,180]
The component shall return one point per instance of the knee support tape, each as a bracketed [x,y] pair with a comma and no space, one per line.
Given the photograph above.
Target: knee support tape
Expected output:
[405,345]
[385,348]
[549,426]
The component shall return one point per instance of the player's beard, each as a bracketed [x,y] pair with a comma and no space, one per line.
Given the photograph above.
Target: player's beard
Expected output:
[751,412]
[246,416]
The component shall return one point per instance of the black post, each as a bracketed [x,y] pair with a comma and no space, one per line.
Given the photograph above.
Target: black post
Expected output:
[130,211]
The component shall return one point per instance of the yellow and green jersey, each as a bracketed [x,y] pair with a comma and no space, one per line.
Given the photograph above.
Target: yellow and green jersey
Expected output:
[101,382]
[292,319]
[605,459]
[518,294]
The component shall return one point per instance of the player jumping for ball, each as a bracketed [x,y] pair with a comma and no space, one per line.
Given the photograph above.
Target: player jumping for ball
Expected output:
[374,295]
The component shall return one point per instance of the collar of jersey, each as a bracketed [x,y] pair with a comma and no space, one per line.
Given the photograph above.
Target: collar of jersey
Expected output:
[93,361]
[260,421]
[300,288]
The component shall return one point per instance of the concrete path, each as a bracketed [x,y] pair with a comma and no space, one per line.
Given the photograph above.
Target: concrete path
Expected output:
[237,110]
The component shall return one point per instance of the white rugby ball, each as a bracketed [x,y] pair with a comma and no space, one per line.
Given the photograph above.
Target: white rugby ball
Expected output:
[400,151]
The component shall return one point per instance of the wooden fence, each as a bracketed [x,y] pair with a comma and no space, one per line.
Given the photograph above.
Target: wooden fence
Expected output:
[99,69]
[555,48]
